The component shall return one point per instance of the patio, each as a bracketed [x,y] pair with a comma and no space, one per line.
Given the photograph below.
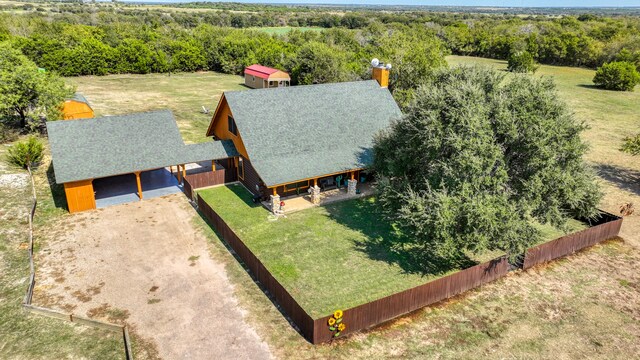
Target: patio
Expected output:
[301,202]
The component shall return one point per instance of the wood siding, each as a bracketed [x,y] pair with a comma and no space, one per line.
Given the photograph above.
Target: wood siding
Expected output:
[382,76]
[252,179]
[253,81]
[219,127]
[72,109]
[80,195]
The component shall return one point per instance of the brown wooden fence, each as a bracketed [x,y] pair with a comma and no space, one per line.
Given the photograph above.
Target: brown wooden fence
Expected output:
[387,308]
[283,300]
[392,306]
[203,179]
[607,227]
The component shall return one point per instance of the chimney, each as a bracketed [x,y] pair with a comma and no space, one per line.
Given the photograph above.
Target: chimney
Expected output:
[380,72]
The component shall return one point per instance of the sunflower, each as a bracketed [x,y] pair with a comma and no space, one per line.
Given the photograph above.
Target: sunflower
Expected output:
[332,321]
[341,327]
[337,314]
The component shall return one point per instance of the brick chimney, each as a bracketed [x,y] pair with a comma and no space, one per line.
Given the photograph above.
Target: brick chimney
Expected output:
[380,72]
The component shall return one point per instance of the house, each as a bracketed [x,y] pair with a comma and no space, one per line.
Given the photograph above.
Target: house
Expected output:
[259,77]
[114,159]
[291,140]
[77,107]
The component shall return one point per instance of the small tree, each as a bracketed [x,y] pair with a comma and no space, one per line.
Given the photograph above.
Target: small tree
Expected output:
[26,153]
[631,145]
[26,92]
[617,75]
[522,62]
[477,157]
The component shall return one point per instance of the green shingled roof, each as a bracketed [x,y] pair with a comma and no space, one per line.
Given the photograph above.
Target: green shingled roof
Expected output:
[114,145]
[302,132]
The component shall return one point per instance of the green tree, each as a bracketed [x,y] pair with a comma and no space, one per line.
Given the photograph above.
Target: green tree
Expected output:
[317,63]
[476,159]
[631,145]
[27,92]
[27,153]
[617,75]
[522,62]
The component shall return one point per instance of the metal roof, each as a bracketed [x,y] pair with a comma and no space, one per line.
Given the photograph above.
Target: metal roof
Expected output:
[302,132]
[99,147]
[260,71]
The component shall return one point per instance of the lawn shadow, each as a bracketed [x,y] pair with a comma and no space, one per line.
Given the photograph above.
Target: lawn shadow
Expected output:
[57,190]
[385,243]
[590,86]
[623,178]
[243,194]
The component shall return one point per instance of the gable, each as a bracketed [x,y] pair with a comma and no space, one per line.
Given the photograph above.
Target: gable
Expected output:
[308,131]
[219,127]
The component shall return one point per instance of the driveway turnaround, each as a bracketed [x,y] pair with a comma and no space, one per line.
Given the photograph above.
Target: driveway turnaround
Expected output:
[143,263]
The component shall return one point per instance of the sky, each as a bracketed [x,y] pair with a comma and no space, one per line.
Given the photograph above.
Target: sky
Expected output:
[502,3]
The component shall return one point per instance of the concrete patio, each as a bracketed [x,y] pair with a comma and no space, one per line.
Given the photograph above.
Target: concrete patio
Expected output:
[301,202]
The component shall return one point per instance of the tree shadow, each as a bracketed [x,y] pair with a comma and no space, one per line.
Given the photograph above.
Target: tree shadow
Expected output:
[590,86]
[385,243]
[57,190]
[623,178]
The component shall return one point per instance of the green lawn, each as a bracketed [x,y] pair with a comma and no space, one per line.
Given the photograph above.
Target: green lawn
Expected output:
[281,30]
[183,93]
[329,257]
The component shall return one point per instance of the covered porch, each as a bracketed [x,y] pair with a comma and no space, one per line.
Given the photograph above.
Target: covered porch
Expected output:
[295,203]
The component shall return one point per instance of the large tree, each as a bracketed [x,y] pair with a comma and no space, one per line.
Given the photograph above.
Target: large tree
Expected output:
[477,159]
[27,92]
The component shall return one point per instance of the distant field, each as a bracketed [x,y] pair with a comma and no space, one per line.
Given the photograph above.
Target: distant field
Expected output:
[285,29]
[184,93]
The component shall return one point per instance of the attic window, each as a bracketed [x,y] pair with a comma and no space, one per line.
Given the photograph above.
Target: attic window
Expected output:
[232,126]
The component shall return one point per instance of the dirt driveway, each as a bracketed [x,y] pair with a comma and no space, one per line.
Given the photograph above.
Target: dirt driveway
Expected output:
[145,264]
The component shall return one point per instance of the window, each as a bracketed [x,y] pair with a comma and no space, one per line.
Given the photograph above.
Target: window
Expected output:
[253,79]
[232,125]
[240,168]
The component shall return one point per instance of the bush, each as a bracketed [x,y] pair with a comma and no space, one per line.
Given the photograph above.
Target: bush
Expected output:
[26,153]
[617,75]
[522,62]
[631,145]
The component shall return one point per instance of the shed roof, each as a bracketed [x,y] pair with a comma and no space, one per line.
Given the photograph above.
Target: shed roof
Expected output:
[308,131]
[260,71]
[99,147]
[79,98]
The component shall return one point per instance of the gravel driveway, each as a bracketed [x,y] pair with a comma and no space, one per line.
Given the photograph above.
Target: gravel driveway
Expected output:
[145,264]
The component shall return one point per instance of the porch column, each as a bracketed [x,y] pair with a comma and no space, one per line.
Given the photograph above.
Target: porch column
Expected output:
[213,165]
[139,185]
[184,171]
[179,174]
[315,192]
[351,184]
[274,202]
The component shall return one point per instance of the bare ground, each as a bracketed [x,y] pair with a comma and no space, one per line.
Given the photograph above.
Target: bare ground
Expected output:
[144,264]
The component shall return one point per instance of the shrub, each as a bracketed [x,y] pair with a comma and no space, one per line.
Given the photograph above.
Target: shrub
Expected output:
[631,145]
[617,75]
[26,153]
[522,62]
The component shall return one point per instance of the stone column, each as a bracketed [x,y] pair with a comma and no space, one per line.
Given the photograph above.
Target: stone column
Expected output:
[315,194]
[351,186]
[275,204]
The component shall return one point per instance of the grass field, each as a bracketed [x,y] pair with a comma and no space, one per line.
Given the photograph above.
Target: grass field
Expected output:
[336,256]
[183,93]
[281,30]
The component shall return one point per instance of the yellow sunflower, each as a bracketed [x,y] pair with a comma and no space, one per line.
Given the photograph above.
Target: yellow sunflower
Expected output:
[341,327]
[332,321]
[337,314]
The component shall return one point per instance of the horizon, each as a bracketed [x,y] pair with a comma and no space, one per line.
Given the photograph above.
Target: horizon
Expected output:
[577,4]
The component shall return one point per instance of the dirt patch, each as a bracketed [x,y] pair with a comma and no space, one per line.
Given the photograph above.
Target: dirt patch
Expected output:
[144,264]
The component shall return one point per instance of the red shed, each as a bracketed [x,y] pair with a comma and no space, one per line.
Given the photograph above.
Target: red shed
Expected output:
[257,76]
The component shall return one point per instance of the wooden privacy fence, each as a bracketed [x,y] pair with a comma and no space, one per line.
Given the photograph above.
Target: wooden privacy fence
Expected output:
[203,179]
[384,309]
[607,227]
[286,303]
[363,316]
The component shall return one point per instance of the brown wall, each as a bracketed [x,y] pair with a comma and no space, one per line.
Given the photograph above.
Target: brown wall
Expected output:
[72,109]
[80,195]
[252,179]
